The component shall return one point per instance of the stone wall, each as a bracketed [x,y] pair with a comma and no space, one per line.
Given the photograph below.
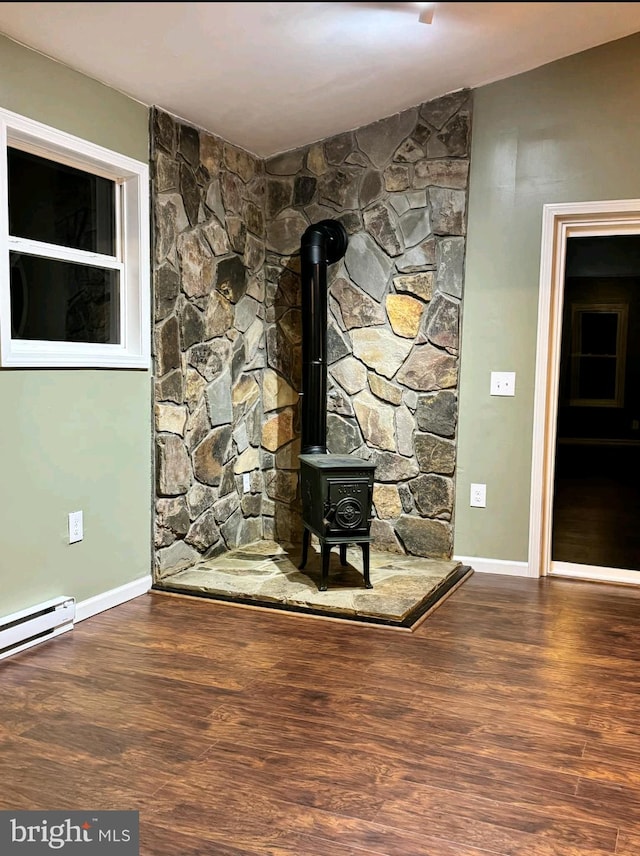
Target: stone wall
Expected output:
[400,188]
[228,327]
[208,205]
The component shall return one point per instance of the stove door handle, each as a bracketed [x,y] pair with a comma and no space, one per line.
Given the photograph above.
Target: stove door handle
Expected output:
[329,515]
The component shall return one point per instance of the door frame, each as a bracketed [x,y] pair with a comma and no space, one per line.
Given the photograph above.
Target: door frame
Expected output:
[560,222]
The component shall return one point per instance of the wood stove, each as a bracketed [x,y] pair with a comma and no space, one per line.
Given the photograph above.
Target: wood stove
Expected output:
[337,490]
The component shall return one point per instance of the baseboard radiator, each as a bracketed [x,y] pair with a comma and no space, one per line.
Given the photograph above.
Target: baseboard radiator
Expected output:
[37,624]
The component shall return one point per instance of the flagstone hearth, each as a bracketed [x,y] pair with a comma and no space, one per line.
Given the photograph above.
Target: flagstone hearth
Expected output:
[265,574]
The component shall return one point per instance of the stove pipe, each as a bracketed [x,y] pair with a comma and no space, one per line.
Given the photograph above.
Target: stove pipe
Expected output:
[322,244]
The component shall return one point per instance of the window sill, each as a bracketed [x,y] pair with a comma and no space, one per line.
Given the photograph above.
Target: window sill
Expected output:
[114,358]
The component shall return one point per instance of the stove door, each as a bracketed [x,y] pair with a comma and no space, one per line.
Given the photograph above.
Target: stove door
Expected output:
[349,503]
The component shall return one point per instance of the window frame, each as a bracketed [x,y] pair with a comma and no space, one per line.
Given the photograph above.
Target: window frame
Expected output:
[132,258]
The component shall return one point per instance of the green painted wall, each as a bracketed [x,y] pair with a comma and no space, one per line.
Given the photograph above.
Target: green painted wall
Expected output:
[44,90]
[566,132]
[72,439]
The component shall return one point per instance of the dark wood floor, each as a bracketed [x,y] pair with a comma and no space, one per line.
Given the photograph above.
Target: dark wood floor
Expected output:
[508,723]
[596,517]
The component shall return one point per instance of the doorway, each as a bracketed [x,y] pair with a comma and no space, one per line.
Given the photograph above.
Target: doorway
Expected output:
[596,494]
[585,503]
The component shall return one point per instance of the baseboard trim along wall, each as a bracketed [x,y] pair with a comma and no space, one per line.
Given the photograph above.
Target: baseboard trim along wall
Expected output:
[496,566]
[113,597]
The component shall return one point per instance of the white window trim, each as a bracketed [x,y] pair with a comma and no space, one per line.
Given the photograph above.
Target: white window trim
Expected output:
[134,350]
[620,310]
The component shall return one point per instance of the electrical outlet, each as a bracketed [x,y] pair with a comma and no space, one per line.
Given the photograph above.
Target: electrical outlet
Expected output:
[75,527]
[503,383]
[246,482]
[478,498]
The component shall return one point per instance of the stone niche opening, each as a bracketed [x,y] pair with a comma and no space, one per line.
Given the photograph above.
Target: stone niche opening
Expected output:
[227,338]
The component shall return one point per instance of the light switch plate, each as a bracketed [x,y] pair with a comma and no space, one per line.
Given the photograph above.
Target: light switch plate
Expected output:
[503,383]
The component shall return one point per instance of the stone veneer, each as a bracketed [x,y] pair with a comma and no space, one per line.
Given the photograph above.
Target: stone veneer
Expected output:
[228,332]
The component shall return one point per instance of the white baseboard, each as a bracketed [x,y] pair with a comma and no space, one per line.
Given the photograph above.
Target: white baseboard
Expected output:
[113,597]
[496,566]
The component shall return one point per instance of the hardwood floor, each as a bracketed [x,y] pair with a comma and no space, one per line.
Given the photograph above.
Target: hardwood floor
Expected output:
[596,518]
[506,724]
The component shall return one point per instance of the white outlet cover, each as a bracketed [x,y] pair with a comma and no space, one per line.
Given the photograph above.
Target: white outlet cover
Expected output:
[246,482]
[75,527]
[478,496]
[503,383]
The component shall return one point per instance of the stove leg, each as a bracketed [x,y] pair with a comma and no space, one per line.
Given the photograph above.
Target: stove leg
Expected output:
[305,549]
[343,555]
[365,565]
[326,555]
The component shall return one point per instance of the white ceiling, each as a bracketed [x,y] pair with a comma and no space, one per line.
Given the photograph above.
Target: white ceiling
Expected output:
[273,76]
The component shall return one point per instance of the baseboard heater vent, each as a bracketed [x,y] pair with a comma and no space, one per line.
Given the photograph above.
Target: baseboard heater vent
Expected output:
[37,624]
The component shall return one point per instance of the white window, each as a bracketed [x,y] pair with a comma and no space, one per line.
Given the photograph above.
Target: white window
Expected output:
[74,251]
[598,354]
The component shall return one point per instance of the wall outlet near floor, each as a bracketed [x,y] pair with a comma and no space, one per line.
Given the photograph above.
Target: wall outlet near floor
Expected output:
[75,527]
[503,383]
[246,482]
[478,498]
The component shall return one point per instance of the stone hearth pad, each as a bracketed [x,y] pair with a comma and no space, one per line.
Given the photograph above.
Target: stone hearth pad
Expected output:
[266,573]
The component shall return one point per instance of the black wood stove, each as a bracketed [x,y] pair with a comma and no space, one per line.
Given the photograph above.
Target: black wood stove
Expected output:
[336,490]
